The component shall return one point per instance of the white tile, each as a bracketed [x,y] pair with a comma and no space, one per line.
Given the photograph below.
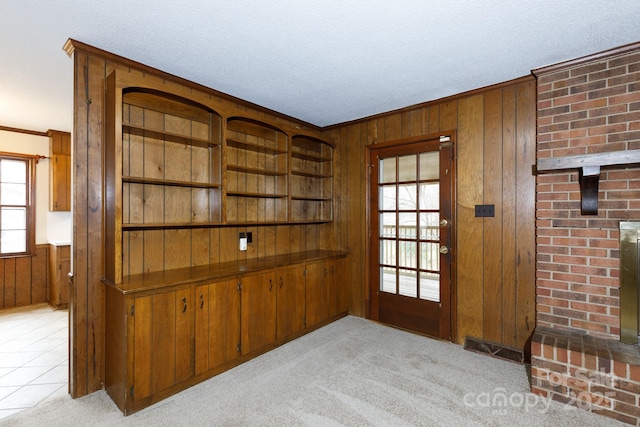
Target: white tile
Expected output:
[13,345]
[5,371]
[28,396]
[6,391]
[15,360]
[21,376]
[46,344]
[63,391]
[57,374]
[50,358]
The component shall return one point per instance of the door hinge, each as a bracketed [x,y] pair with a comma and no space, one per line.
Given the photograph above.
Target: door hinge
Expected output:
[304,322]
[240,286]
[239,347]
[133,309]
[304,273]
[132,396]
[445,141]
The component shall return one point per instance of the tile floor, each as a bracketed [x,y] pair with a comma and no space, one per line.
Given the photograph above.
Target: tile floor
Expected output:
[34,356]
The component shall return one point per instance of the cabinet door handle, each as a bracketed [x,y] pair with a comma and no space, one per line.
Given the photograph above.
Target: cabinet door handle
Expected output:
[325,272]
[270,284]
[184,301]
[281,281]
[201,301]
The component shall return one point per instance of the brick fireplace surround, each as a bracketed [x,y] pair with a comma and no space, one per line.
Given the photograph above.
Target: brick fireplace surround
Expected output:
[586,106]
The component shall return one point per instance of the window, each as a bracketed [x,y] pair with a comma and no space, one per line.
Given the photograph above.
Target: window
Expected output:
[17,207]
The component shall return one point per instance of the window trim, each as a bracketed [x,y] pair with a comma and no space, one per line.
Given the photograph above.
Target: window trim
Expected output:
[32,161]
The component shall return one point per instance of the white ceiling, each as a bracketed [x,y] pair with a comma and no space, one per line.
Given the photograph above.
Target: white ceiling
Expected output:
[321,61]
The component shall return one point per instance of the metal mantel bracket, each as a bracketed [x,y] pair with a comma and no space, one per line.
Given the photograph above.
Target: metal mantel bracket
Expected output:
[588,166]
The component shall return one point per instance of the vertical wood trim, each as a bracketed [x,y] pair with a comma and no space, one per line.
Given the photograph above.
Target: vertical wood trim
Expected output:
[358,138]
[78,295]
[469,234]
[95,289]
[525,227]
[492,226]
[509,192]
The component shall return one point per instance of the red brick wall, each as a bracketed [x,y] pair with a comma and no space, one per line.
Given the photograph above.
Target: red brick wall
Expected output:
[585,106]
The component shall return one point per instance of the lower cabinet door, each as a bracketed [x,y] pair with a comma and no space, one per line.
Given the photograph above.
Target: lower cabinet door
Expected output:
[162,342]
[338,288]
[258,311]
[217,326]
[290,300]
[317,292]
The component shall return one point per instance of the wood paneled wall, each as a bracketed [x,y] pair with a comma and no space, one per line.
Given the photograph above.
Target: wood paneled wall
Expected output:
[23,280]
[87,299]
[494,289]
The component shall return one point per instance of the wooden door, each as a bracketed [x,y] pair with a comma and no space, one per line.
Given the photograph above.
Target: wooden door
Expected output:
[162,354]
[258,311]
[290,300]
[411,235]
[217,326]
[317,293]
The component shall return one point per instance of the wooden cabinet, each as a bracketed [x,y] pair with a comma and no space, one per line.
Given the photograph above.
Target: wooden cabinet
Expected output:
[162,337]
[339,287]
[217,329]
[317,292]
[149,345]
[59,170]
[59,267]
[163,177]
[258,308]
[168,330]
[256,173]
[183,172]
[179,164]
[326,293]
[290,300]
[311,180]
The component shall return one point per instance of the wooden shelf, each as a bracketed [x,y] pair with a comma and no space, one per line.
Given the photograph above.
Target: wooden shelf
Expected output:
[626,157]
[167,136]
[256,195]
[168,225]
[256,171]
[312,157]
[311,174]
[253,147]
[157,181]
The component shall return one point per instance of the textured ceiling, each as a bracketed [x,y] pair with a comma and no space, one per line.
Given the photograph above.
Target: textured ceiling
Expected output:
[321,61]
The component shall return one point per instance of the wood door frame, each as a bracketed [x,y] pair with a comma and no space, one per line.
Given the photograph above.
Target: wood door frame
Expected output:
[453,273]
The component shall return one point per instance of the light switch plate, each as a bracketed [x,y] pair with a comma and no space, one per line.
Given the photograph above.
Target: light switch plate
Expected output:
[243,243]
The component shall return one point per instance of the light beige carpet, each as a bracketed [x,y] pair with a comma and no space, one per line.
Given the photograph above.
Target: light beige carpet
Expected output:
[352,372]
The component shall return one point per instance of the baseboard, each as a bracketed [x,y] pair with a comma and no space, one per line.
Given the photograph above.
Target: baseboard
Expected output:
[495,350]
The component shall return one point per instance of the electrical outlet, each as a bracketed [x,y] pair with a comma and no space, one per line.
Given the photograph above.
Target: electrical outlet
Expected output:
[243,243]
[249,237]
[485,210]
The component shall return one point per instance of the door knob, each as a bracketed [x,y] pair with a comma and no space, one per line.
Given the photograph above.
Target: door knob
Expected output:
[444,249]
[444,222]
